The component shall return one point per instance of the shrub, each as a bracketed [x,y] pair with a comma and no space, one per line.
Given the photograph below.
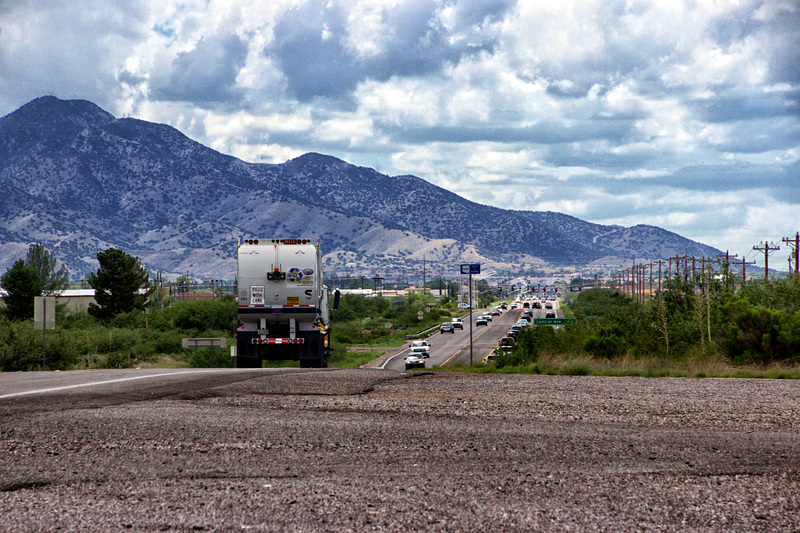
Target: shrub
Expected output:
[607,343]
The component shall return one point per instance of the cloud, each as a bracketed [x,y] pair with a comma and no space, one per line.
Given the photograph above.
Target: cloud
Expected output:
[313,44]
[681,114]
[207,73]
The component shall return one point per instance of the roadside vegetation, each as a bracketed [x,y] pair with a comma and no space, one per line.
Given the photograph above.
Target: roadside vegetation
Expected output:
[701,329]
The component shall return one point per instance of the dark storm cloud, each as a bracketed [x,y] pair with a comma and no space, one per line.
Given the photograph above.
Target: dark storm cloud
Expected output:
[207,73]
[546,132]
[784,49]
[476,12]
[311,46]
[779,181]
[747,107]
[759,137]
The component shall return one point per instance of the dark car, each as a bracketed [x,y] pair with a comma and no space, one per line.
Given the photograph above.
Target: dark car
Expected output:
[550,315]
[447,327]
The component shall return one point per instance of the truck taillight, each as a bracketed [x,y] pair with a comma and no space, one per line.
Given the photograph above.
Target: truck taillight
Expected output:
[251,241]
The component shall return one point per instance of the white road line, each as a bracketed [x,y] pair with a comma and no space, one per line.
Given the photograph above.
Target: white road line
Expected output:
[67,387]
[383,366]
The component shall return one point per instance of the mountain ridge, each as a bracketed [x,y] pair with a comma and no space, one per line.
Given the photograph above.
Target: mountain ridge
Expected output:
[79,180]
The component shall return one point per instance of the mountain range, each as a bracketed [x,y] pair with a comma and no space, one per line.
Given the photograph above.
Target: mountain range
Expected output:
[79,180]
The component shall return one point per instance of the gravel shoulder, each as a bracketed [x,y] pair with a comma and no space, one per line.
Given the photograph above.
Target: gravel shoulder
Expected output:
[366,449]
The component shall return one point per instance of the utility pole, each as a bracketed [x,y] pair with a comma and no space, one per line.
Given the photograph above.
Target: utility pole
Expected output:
[766,247]
[795,244]
[423,274]
[660,262]
[727,264]
[744,269]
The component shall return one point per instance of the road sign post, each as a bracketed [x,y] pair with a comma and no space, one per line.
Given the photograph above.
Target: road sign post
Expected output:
[470,268]
[44,318]
[204,342]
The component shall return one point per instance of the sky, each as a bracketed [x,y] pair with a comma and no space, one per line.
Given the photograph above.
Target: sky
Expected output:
[679,114]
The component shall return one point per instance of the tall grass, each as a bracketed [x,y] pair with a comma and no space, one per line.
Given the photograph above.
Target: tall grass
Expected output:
[581,364]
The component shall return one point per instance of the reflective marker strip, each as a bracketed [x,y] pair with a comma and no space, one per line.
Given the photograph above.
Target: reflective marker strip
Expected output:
[278,341]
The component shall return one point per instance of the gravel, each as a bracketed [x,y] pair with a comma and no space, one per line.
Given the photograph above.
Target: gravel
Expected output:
[372,450]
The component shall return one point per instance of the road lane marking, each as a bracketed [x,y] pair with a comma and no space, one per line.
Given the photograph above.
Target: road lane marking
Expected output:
[465,346]
[383,366]
[95,383]
[449,359]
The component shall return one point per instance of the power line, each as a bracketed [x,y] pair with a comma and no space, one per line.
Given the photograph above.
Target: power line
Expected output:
[767,248]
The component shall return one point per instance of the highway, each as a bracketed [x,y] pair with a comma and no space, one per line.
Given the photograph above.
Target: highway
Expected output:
[454,348]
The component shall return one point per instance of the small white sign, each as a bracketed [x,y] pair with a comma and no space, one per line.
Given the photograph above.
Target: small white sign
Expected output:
[256,295]
[44,312]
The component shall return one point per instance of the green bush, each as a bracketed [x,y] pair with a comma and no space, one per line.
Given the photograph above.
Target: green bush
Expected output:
[607,343]
[759,334]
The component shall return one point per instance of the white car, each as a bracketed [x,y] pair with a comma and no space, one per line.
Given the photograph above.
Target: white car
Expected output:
[421,348]
[415,361]
[457,323]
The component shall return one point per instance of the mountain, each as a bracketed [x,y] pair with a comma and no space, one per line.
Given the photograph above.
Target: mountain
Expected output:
[79,180]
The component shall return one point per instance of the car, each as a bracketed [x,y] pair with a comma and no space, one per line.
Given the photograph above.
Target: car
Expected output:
[526,305]
[463,306]
[507,341]
[415,361]
[513,306]
[447,327]
[481,321]
[504,306]
[487,316]
[457,323]
[504,349]
[537,305]
[496,312]
[491,357]
[548,305]
[513,333]
[550,315]
[421,347]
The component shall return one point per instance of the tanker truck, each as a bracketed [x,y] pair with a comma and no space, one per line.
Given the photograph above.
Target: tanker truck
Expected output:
[283,304]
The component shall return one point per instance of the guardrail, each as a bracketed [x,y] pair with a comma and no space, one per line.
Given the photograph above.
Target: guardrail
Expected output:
[421,333]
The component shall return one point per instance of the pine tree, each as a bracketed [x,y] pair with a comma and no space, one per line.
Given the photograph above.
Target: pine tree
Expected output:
[21,284]
[118,285]
[44,263]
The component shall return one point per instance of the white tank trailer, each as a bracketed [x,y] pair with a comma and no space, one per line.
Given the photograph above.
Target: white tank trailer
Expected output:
[283,303]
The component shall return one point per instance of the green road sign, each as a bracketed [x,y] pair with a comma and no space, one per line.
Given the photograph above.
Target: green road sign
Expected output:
[552,321]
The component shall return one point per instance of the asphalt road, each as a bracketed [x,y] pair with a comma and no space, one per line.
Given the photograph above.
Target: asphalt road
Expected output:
[371,449]
[452,348]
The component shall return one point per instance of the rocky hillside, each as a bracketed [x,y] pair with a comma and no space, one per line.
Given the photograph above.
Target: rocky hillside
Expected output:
[79,180]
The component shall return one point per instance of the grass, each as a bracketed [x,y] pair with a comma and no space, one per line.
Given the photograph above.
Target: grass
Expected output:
[586,365]
[355,359]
